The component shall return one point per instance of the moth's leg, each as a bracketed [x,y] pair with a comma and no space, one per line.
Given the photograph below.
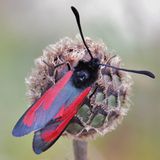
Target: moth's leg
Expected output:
[51,68]
[88,99]
[109,60]
[52,75]
[94,91]
[66,63]
[59,75]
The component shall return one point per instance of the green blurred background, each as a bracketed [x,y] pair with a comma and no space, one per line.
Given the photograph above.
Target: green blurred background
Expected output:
[129,28]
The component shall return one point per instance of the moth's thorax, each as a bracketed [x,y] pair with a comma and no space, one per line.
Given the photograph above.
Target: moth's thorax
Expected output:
[85,73]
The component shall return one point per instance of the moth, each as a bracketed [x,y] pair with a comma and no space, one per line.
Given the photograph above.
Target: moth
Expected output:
[49,116]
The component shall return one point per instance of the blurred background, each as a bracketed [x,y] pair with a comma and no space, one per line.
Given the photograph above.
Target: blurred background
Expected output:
[129,28]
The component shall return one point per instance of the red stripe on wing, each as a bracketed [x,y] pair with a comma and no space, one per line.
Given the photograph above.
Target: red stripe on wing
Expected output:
[69,112]
[60,113]
[46,99]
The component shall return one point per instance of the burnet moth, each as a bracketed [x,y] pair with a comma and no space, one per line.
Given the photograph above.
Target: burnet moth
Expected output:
[49,116]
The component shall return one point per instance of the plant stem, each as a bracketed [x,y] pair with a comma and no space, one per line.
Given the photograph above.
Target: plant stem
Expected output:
[80,149]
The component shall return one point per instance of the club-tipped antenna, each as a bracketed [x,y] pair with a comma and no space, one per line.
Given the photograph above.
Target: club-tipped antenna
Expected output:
[75,11]
[144,72]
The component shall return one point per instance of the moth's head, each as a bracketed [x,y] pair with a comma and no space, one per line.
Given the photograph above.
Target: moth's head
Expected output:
[81,78]
[86,73]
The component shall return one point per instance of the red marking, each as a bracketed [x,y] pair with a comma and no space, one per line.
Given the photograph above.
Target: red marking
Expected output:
[60,113]
[46,99]
[56,89]
[48,135]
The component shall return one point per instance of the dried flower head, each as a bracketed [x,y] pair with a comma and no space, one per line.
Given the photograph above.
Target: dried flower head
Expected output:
[101,111]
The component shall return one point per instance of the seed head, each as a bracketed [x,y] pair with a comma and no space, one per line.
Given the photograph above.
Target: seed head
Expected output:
[102,111]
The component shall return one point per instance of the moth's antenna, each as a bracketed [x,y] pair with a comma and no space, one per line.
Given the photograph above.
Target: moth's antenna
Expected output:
[147,73]
[74,10]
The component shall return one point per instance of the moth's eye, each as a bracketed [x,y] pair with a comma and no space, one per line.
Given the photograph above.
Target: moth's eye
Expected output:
[82,75]
[94,64]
